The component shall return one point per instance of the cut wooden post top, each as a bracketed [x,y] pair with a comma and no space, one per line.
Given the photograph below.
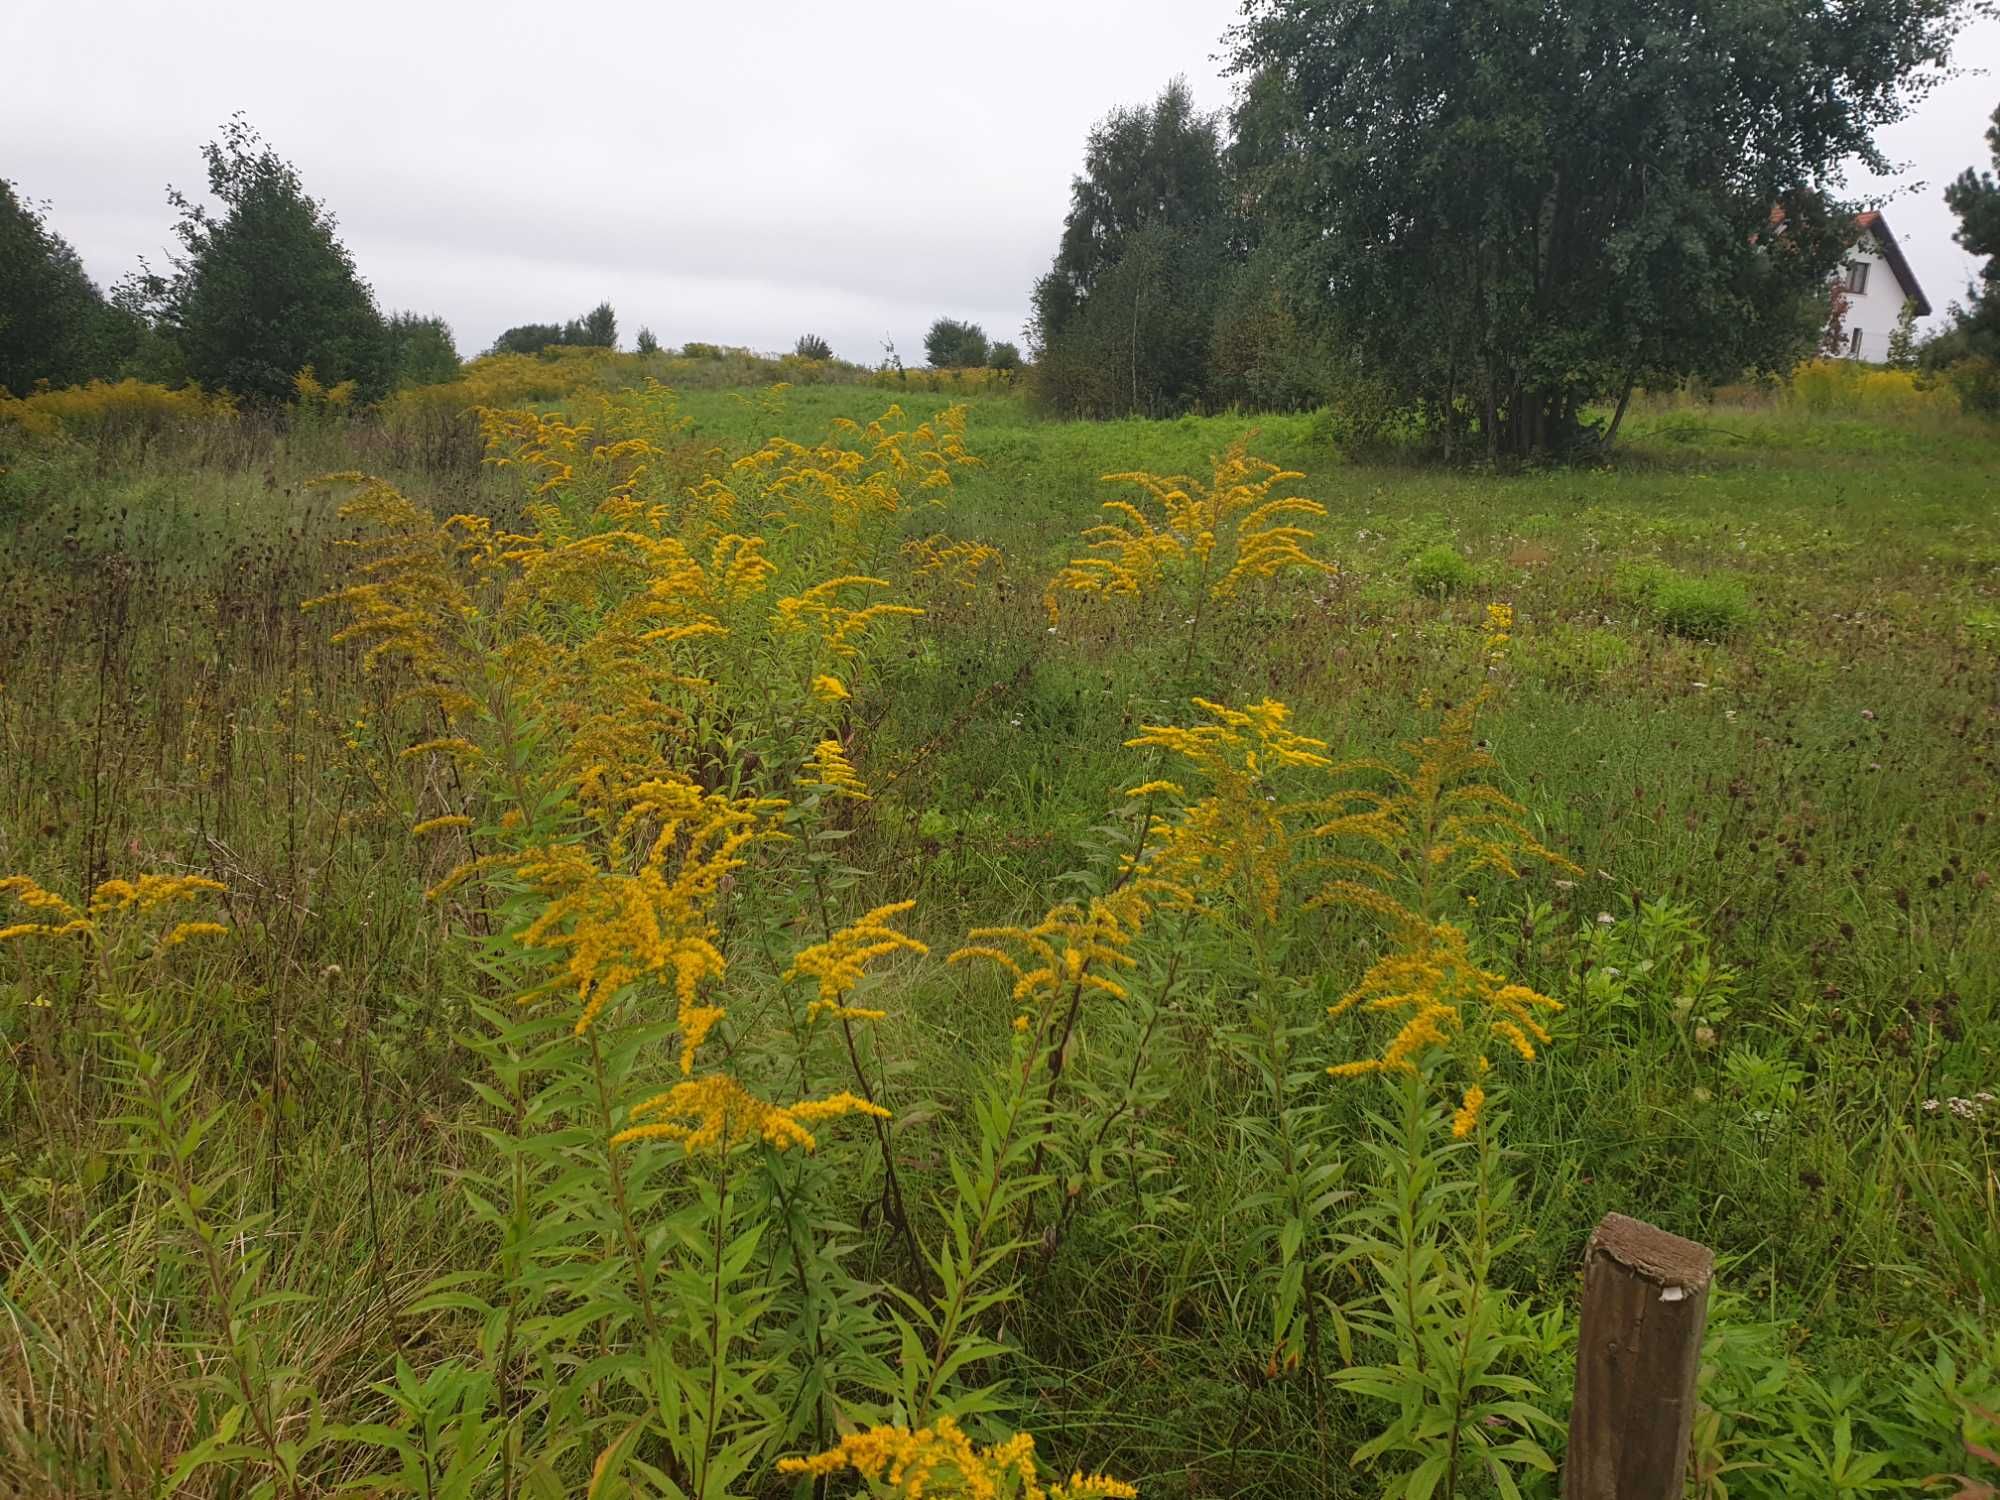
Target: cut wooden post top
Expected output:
[1671,1262]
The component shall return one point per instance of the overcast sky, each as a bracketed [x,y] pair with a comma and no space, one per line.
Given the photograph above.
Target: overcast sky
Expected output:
[739,172]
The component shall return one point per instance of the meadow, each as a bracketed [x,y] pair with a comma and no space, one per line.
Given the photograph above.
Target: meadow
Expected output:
[680,942]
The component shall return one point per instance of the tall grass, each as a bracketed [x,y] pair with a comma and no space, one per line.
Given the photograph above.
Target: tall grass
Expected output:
[314,1202]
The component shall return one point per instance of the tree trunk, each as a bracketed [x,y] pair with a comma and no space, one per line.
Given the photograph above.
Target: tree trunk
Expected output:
[1618,416]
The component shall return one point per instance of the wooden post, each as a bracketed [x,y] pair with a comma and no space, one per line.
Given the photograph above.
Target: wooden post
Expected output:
[1645,1304]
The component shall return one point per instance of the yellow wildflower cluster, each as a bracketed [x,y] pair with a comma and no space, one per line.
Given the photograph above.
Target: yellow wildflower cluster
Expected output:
[1239,836]
[412,605]
[847,490]
[959,563]
[1441,995]
[830,771]
[104,409]
[716,1113]
[61,918]
[312,392]
[1437,823]
[1076,946]
[940,1461]
[639,905]
[1217,535]
[818,611]
[1499,632]
[838,963]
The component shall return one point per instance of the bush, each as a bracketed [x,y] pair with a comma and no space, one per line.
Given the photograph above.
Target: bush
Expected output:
[647,342]
[812,346]
[1977,382]
[1439,572]
[952,345]
[1004,357]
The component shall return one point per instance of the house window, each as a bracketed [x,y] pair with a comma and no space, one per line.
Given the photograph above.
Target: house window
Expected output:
[1854,344]
[1857,277]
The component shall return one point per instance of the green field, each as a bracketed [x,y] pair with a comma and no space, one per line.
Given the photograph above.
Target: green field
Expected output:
[1752,696]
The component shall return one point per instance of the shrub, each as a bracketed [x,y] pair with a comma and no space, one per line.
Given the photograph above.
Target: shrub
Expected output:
[812,346]
[646,342]
[695,350]
[1004,356]
[1977,382]
[1439,572]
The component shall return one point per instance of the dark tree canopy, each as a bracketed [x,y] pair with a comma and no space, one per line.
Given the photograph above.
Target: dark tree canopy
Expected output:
[812,346]
[55,325]
[952,345]
[596,329]
[1122,320]
[646,342]
[1145,167]
[1975,198]
[1004,356]
[1529,206]
[420,350]
[265,288]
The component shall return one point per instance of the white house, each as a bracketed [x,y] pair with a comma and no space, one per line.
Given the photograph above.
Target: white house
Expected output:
[1878,281]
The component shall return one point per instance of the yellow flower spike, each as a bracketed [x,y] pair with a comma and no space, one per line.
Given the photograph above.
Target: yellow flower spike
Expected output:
[840,629]
[1225,531]
[829,689]
[941,1460]
[839,962]
[1467,1117]
[958,563]
[830,771]
[439,825]
[186,930]
[716,1113]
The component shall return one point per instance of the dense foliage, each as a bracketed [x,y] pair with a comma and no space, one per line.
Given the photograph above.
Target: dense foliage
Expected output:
[596,329]
[264,288]
[952,344]
[1121,321]
[55,325]
[1521,217]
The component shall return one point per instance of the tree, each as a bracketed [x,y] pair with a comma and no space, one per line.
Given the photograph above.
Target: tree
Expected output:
[596,329]
[646,342]
[1975,198]
[1143,167]
[55,325]
[1140,341]
[952,345]
[1122,320]
[265,287]
[1902,353]
[1522,211]
[420,350]
[812,346]
[1004,356]
[528,338]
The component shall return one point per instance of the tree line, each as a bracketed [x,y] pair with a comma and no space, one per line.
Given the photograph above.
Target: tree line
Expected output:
[1492,224]
[257,288]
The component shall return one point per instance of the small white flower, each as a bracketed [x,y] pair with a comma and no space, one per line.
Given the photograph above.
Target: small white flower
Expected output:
[1605,919]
